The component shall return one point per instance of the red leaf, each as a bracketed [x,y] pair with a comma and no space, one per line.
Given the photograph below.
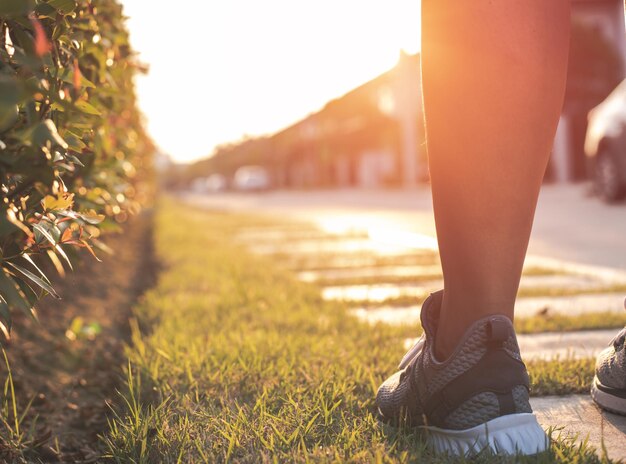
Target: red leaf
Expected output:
[42,44]
[91,250]
[77,75]
[67,235]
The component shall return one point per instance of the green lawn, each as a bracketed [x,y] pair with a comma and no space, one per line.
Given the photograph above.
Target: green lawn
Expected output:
[237,360]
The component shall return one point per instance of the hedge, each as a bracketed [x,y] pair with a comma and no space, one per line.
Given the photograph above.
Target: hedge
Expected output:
[74,157]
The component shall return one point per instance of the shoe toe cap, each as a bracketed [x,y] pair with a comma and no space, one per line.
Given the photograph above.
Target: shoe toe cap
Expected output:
[394,398]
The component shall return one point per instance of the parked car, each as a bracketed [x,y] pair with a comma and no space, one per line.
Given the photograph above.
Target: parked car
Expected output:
[216,183]
[605,145]
[211,184]
[251,178]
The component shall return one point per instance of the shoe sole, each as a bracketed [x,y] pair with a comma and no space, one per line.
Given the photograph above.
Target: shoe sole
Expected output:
[513,434]
[607,401]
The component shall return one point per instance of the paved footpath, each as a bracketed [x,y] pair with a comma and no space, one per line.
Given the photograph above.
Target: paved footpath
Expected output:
[570,224]
[377,250]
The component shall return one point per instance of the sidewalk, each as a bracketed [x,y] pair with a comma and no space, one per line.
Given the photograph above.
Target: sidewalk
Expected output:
[379,274]
[570,225]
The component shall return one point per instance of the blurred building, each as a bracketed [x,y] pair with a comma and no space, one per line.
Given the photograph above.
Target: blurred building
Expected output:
[597,64]
[374,135]
[370,137]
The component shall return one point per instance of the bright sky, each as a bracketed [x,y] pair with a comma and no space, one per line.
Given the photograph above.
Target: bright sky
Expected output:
[220,70]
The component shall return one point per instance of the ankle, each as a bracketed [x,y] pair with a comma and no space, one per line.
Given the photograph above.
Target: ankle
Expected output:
[451,330]
[446,341]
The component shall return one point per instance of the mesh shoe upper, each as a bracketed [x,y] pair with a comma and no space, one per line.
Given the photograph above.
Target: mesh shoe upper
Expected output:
[611,363]
[483,379]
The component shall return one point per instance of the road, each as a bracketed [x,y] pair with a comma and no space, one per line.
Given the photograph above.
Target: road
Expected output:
[570,224]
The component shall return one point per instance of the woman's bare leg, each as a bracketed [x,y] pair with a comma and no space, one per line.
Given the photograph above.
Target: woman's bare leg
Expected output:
[493,79]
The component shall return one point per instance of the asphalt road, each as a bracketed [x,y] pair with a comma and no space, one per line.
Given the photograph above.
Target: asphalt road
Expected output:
[569,225]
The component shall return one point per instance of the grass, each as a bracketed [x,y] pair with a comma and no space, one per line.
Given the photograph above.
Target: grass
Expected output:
[559,291]
[551,323]
[237,361]
[408,300]
[562,323]
[323,281]
[16,440]
[325,261]
[560,376]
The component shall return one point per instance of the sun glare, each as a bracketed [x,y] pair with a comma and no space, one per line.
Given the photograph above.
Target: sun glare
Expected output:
[222,70]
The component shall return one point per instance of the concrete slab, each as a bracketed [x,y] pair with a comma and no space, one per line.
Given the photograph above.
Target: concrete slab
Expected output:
[606,274]
[562,281]
[570,305]
[393,315]
[578,344]
[379,293]
[349,246]
[581,418]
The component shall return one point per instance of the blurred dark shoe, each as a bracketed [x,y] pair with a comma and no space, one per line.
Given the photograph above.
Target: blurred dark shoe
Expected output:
[609,384]
[476,399]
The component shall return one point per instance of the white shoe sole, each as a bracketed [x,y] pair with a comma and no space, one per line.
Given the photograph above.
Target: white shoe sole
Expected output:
[607,401]
[513,434]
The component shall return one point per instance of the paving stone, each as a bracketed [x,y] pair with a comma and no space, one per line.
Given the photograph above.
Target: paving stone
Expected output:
[577,344]
[380,233]
[381,272]
[570,305]
[562,281]
[393,315]
[607,274]
[581,418]
[378,293]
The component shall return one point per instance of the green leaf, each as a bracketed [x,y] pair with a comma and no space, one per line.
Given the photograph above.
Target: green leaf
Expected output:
[31,296]
[87,108]
[75,160]
[63,6]
[90,217]
[44,10]
[30,260]
[11,295]
[67,76]
[74,141]
[64,256]
[5,317]
[14,7]
[46,132]
[9,98]
[38,281]
[40,231]
[26,41]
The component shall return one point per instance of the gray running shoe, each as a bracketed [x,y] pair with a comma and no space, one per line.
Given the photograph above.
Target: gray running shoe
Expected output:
[476,399]
[609,384]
